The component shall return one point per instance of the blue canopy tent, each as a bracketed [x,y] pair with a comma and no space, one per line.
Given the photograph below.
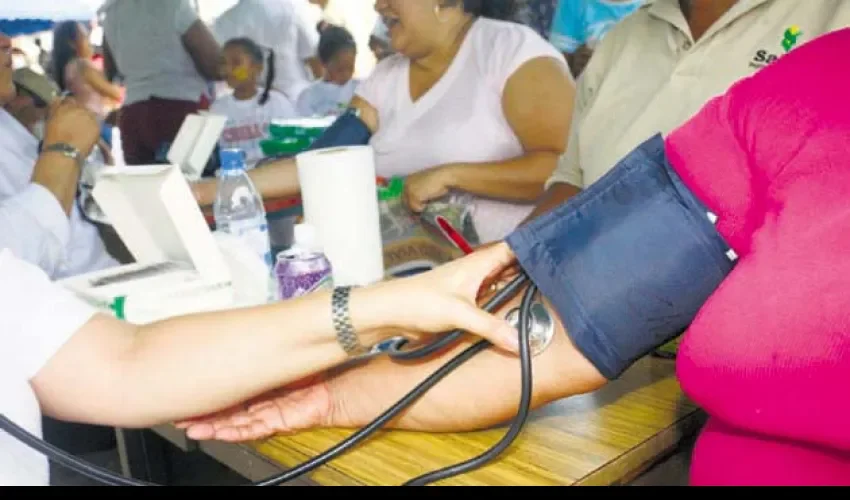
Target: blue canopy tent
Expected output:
[25,17]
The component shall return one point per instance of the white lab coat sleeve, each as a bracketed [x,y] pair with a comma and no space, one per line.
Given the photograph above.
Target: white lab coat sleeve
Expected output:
[38,318]
[34,227]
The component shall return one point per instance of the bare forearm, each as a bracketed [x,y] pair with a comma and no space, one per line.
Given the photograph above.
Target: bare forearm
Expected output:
[519,179]
[482,393]
[277,180]
[194,365]
[555,196]
[59,175]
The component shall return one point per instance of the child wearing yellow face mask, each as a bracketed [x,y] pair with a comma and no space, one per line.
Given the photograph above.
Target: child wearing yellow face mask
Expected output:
[250,109]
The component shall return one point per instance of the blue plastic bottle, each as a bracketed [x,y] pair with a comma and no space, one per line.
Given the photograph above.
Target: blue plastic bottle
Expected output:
[238,208]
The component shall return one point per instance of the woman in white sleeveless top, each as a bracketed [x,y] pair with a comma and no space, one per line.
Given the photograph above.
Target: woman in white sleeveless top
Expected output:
[468,103]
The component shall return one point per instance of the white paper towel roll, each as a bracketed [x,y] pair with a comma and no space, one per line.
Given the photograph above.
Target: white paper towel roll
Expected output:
[340,199]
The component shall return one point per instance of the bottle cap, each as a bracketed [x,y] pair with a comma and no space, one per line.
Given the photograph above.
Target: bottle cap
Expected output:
[232,159]
[306,237]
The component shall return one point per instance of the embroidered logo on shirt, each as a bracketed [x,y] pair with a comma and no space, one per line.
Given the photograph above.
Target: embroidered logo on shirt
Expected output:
[790,38]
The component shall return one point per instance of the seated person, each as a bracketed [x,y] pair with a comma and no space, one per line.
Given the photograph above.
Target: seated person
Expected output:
[249,109]
[468,103]
[35,93]
[750,255]
[620,104]
[331,95]
[29,226]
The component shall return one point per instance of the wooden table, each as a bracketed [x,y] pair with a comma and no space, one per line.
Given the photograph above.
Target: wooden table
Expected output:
[606,438]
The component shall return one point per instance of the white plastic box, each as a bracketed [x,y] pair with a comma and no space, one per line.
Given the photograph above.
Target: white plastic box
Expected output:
[195,143]
[180,268]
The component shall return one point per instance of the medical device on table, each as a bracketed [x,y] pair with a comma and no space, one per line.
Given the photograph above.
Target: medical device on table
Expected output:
[640,221]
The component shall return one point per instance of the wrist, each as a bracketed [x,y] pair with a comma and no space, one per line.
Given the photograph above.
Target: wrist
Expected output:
[370,315]
[83,147]
[451,176]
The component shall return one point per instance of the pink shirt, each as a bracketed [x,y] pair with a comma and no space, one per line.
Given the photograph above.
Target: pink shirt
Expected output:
[460,120]
[768,357]
[84,93]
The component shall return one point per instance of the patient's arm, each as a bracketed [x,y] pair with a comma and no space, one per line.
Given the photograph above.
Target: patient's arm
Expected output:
[483,392]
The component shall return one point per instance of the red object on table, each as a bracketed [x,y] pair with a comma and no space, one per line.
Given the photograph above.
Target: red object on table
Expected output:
[454,235]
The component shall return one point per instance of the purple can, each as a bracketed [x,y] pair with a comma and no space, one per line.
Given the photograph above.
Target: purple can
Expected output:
[300,273]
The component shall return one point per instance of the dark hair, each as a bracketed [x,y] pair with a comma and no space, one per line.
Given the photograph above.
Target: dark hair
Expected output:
[256,52]
[334,40]
[64,49]
[502,10]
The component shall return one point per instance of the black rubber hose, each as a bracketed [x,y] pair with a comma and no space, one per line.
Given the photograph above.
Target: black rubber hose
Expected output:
[519,420]
[64,459]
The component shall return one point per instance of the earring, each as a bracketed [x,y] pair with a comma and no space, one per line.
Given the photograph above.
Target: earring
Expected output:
[437,11]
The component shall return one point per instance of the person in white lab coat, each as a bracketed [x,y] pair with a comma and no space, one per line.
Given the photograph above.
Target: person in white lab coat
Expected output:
[62,248]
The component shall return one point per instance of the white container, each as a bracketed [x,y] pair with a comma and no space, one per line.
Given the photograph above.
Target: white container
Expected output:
[195,142]
[179,267]
[339,194]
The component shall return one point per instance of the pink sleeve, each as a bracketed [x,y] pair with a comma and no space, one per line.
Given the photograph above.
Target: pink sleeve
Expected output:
[709,156]
[769,353]
[736,152]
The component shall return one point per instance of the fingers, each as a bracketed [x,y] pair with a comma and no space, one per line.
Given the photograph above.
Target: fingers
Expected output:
[412,201]
[498,263]
[498,331]
[253,430]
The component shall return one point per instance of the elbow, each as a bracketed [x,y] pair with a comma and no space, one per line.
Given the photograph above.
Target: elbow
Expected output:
[543,165]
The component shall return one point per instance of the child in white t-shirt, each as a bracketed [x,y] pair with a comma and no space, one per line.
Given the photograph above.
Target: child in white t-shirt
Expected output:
[249,110]
[332,95]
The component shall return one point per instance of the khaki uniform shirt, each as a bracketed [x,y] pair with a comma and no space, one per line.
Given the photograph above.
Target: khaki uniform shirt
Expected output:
[649,76]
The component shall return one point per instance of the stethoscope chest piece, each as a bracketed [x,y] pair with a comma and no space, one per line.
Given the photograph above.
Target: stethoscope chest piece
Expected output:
[541,330]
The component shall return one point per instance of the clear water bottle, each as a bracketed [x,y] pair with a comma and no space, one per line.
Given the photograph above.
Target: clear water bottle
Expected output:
[238,208]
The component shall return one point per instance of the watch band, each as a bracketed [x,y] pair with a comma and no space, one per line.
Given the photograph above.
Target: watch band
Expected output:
[341,316]
[66,150]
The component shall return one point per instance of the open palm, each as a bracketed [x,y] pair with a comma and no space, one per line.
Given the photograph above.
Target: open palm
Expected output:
[306,405]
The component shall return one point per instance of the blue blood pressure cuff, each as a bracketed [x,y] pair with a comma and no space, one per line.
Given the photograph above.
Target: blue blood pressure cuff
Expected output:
[627,263]
[347,130]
